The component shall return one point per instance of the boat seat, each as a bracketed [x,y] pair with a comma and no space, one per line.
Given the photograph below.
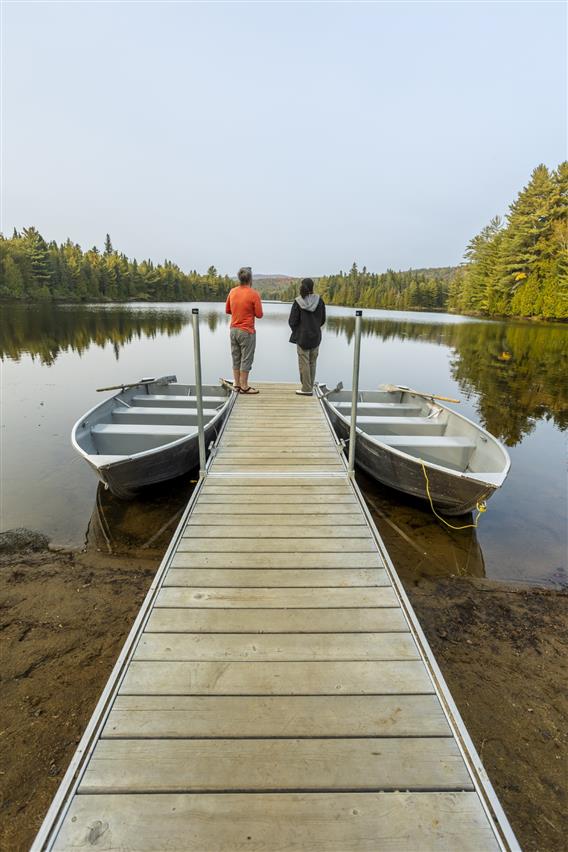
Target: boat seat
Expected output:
[378,408]
[172,401]
[451,452]
[428,441]
[401,425]
[160,416]
[115,439]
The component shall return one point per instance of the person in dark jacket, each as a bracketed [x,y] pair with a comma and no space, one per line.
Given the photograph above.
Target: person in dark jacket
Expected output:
[306,319]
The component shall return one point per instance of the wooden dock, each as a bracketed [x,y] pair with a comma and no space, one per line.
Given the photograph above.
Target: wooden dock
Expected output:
[276,692]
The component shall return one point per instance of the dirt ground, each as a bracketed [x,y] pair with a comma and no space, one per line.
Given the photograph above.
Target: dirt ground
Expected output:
[64,617]
[503,652]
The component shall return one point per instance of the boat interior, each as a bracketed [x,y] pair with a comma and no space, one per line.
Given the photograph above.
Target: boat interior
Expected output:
[419,427]
[146,417]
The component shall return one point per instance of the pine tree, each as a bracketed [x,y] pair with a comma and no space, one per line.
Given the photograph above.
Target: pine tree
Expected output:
[527,239]
[36,250]
[478,281]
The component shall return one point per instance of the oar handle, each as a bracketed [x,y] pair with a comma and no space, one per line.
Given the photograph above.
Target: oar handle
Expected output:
[127,385]
[445,398]
[113,387]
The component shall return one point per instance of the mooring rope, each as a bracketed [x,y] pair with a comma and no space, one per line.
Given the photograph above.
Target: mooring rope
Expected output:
[481,507]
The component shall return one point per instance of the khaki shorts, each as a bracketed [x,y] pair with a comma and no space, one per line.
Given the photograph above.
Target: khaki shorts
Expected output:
[242,349]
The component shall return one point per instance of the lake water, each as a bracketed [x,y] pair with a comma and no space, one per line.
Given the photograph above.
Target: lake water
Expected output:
[510,377]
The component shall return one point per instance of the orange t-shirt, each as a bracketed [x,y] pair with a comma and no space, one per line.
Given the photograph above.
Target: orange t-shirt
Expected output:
[243,303]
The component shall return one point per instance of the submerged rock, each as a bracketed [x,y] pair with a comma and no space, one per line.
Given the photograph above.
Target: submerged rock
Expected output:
[12,541]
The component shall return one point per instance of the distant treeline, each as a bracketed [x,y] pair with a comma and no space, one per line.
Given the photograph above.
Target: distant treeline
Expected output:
[514,268]
[415,289]
[33,270]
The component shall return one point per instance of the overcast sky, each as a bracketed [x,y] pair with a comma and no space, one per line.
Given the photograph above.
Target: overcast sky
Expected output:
[293,137]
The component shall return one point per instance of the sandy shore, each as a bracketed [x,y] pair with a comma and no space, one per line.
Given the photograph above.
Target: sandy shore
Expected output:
[65,615]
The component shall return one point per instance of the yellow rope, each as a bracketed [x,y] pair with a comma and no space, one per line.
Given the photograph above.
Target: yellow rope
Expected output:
[481,507]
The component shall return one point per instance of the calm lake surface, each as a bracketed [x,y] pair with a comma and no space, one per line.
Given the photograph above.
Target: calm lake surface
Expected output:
[510,377]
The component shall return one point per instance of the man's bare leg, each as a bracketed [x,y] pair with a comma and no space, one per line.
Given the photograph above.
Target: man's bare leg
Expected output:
[243,378]
[236,378]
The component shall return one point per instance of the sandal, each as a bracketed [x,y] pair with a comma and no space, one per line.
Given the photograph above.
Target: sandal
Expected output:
[248,390]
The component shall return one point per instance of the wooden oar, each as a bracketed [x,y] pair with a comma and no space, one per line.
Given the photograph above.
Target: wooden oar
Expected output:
[391,388]
[162,380]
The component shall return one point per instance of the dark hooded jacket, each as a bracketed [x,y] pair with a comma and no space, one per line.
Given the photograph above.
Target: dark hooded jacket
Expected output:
[306,319]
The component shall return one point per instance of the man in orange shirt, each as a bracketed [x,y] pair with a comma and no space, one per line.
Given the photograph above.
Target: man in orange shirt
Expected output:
[243,303]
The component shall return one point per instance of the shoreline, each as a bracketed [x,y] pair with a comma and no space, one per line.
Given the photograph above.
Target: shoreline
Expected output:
[417,310]
[65,615]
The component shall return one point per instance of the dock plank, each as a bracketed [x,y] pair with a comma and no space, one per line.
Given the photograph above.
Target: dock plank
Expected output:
[253,492]
[286,544]
[219,620]
[277,678]
[186,716]
[268,466]
[358,822]
[269,507]
[258,765]
[276,646]
[251,519]
[269,457]
[290,560]
[276,530]
[273,577]
[248,597]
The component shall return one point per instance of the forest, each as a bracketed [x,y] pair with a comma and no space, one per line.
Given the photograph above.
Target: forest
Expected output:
[413,289]
[519,266]
[515,267]
[36,271]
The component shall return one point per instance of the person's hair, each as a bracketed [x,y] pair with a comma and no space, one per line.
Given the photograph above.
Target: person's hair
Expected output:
[306,287]
[245,275]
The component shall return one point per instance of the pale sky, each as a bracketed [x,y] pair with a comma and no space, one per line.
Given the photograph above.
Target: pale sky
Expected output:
[292,137]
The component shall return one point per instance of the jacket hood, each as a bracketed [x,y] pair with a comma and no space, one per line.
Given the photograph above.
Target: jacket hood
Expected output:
[310,303]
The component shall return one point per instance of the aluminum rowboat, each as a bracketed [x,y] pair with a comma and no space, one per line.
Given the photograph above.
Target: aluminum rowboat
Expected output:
[147,433]
[402,437]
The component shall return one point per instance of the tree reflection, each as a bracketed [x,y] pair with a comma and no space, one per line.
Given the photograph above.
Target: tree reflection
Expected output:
[45,331]
[517,370]
[417,543]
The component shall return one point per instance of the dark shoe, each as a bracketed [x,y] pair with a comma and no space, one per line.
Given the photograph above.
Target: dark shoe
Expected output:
[248,390]
[304,393]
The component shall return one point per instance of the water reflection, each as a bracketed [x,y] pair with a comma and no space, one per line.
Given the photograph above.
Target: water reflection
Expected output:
[510,377]
[144,524]
[46,331]
[517,370]
[417,544]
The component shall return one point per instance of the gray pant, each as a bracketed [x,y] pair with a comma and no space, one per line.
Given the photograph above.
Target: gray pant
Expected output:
[243,345]
[307,359]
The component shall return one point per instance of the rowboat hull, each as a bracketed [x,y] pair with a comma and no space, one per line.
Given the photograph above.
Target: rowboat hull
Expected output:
[126,478]
[451,494]
[452,491]
[147,434]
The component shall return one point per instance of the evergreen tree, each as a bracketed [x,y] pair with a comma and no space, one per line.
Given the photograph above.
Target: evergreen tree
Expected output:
[521,269]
